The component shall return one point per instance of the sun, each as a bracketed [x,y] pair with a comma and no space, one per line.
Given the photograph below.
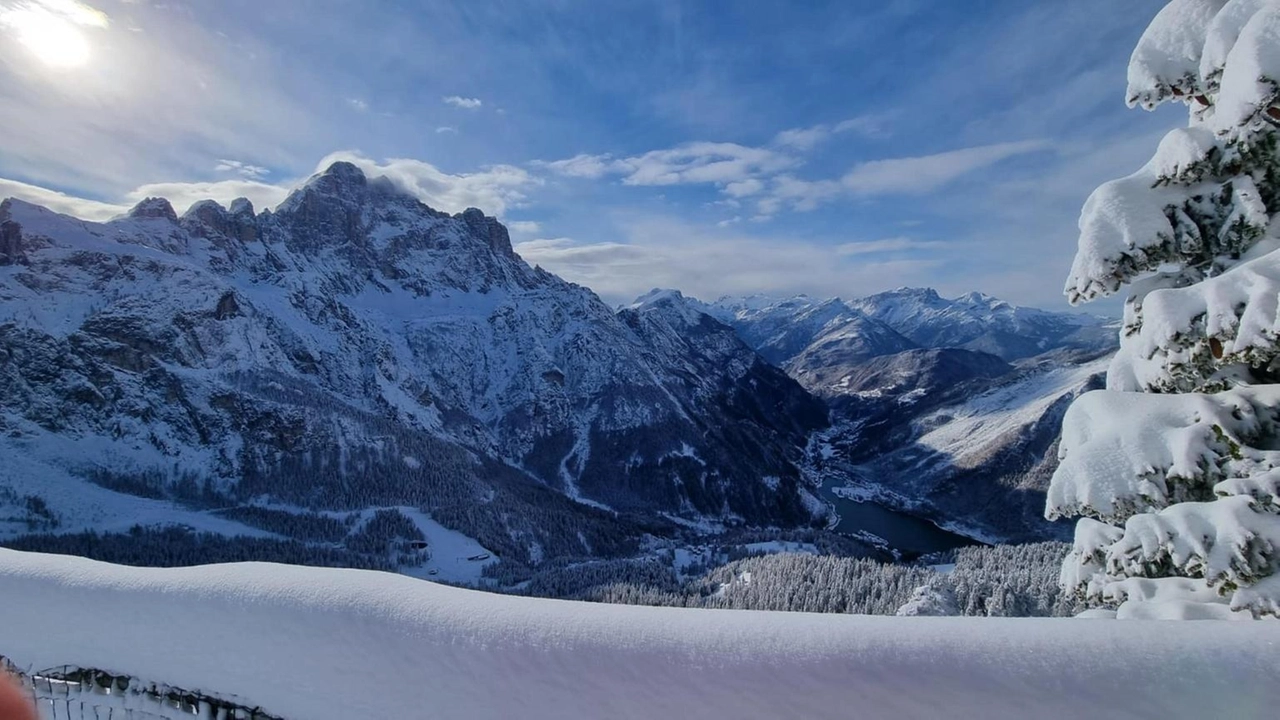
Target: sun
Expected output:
[55,41]
[51,30]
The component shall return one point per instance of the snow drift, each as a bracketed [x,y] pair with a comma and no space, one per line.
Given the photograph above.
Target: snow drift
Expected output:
[313,643]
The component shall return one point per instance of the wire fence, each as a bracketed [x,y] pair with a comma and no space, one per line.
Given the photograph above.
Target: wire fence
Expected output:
[69,692]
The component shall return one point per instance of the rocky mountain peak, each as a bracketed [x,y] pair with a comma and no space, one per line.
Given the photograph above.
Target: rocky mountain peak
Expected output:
[489,229]
[241,207]
[154,207]
[341,175]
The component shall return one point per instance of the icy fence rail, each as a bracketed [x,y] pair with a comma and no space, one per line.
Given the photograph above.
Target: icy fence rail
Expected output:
[314,644]
[71,693]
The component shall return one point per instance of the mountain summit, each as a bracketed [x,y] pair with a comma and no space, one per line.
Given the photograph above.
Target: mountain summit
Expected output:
[356,348]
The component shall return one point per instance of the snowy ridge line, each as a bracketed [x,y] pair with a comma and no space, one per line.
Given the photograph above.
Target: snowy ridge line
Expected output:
[320,643]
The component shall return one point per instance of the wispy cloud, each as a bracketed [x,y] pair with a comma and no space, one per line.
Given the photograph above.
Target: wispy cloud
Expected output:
[60,202]
[735,169]
[915,175]
[183,195]
[741,171]
[582,165]
[702,162]
[886,245]
[446,130]
[465,103]
[358,105]
[667,252]
[803,138]
[869,126]
[523,227]
[243,169]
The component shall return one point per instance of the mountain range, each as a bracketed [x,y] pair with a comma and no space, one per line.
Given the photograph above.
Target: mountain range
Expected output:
[948,409]
[354,349]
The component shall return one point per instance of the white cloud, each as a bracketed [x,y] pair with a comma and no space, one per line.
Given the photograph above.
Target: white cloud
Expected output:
[493,189]
[916,175]
[710,262]
[870,126]
[728,165]
[183,195]
[743,188]
[60,202]
[807,138]
[446,129]
[802,138]
[740,171]
[465,103]
[523,227]
[582,165]
[702,162]
[796,194]
[252,172]
[886,245]
[358,104]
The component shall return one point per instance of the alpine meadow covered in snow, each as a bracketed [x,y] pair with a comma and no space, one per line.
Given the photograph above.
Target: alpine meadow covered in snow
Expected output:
[372,439]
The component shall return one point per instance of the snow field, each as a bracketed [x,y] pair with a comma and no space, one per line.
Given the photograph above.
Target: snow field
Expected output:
[320,643]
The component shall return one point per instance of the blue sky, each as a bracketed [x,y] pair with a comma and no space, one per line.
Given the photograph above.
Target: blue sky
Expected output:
[832,148]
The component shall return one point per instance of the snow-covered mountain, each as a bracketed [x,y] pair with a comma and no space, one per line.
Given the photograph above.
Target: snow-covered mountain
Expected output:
[354,348]
[785,331]
[949,408]
[980,322]
[971,448]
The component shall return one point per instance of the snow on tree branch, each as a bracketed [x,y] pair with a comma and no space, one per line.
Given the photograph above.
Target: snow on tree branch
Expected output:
[1191,477]
[1127,453]
[1166,63]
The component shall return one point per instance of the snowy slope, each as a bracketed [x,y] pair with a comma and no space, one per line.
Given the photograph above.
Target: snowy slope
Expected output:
[975,456]
[355,348]
[317,644]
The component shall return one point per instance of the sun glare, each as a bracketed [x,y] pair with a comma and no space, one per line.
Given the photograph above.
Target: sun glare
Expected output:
[54,40]
[51,30]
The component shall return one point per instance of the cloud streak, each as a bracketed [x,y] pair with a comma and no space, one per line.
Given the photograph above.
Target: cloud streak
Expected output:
[916,175]
[465,103]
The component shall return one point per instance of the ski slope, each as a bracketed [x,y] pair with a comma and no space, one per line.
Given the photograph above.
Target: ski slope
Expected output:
[320,643]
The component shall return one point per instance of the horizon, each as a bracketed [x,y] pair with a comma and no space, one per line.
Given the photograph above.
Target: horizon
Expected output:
[652,145]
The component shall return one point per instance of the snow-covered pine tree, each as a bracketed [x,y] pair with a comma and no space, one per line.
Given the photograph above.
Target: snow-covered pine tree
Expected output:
[1174,466]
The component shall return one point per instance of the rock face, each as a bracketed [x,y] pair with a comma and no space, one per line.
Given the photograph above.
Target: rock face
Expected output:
[354,348]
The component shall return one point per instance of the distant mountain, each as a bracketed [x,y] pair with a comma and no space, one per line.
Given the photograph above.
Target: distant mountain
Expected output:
[356,348]
[784,330]
[980,322]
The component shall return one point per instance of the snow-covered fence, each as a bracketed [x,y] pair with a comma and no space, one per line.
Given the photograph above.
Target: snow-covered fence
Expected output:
[312,644]
[75,693]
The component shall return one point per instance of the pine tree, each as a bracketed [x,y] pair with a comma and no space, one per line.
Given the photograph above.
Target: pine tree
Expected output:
[1174,466]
